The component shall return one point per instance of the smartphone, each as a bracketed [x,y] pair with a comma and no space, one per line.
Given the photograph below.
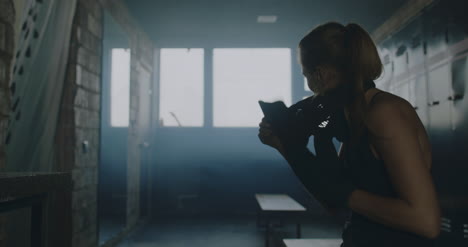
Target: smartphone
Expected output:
[273,112]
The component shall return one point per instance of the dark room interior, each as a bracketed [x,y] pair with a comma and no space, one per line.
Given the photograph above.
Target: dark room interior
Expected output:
[135,123]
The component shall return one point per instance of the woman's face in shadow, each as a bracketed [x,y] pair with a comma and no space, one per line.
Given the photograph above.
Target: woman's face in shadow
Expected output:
[314,81]
[322,78]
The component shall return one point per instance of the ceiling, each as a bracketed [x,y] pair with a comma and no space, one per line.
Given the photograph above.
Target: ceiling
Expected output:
[222,23]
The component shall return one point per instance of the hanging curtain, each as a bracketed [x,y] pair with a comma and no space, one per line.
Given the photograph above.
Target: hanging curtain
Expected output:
[41,56]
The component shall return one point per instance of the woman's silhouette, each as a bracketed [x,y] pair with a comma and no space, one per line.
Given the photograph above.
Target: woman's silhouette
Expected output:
[383,177]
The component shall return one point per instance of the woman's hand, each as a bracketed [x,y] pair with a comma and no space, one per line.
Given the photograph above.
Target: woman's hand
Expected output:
[267,136]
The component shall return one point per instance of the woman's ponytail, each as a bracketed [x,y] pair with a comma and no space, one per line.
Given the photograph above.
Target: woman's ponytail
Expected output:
[363,67]
[364,60]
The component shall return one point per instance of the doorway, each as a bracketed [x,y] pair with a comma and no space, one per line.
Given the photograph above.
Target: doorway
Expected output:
[112,193]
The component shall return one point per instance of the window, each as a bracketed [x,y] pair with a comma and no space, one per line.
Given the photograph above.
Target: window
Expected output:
[306,87]
[120,87]
[181,87]
[242,76]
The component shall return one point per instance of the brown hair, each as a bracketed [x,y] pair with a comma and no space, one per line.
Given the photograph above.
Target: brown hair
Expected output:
[351,51]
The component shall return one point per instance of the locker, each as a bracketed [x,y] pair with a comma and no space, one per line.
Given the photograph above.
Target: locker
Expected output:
[401,59]
[457,31]
[438,92]
[439,127]
[417,87]
[415,47]
[435,27]
[402,42]
[402,90]
[384,80]
[457,91]
[459,128]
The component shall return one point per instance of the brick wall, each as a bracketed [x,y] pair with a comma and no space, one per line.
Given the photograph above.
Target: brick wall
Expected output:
[79,121]
[80,113]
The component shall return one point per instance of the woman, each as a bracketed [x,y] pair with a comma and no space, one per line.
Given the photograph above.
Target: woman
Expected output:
[383,176]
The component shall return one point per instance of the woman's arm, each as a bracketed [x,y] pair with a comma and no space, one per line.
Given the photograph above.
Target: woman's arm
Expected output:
[267,137]
[304,165]
[395,137]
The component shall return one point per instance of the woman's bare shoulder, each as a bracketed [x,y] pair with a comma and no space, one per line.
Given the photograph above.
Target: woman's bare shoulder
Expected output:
[383,100]
[387,107]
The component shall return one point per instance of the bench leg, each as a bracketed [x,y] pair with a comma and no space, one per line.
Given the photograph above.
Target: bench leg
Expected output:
[258,219]
[267,233]
[298,230]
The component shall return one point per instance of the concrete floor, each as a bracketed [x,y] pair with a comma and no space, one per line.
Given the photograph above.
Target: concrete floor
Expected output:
[109,228]
[224,231]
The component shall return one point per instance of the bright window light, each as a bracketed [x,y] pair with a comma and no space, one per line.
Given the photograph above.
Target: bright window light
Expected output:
[120,87]
[306,87]
[181,87]
[242,77]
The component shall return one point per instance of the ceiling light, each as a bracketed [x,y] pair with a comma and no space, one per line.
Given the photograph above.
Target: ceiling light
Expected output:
[267,18]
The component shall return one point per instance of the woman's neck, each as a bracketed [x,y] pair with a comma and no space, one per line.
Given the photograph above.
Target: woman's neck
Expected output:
[367,96]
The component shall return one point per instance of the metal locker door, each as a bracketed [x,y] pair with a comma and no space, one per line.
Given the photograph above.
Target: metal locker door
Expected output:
[386,56]
[397,45]
[417,88]
[408,49]
[459,122]
[438,93]
[400,61]
[403,90]
[385,78]
[417,85]
[435,27]
[440,126]
[415,49]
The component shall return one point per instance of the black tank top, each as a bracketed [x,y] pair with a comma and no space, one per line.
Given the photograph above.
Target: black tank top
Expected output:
[368,173]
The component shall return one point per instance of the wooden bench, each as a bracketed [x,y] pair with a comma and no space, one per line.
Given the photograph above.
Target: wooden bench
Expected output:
[313,242]
[278,207]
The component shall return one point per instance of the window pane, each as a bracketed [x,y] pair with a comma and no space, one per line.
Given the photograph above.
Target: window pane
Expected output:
[181,87]
[241,77]
[120,87]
